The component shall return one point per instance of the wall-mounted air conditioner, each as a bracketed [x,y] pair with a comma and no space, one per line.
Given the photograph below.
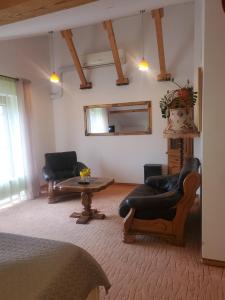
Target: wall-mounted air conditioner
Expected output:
[100,59]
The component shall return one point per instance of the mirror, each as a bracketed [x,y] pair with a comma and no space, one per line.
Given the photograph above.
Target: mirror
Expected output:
[118,118]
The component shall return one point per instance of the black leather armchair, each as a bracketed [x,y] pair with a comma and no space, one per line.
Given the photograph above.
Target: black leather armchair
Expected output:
[162,204]
[60,166]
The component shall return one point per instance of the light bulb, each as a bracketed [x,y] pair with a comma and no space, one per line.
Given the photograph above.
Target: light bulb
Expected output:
[143,65]
[54,78]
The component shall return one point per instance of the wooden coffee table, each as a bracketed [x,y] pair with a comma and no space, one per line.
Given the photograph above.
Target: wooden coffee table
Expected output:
[72,185]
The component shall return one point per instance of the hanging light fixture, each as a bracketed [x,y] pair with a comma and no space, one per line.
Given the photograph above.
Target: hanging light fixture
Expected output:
[54,77]
[143,64]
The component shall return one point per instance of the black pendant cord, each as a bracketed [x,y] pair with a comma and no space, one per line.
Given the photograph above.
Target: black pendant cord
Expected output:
[143,32]
[52,50]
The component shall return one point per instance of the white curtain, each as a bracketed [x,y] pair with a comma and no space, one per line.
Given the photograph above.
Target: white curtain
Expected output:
[16,161]
[98,120]
[25,110]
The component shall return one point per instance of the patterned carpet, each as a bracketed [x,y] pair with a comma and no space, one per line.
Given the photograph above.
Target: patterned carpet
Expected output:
[149,269]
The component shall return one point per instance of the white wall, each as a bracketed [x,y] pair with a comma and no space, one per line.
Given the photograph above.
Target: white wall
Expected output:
[29,59]
[213,203]
[123,157]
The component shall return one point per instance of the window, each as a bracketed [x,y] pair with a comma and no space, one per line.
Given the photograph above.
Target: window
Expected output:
[98,120]
[12,178]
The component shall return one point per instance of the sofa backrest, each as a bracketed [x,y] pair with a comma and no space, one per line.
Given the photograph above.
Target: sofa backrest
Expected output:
[190,165]
[60,161]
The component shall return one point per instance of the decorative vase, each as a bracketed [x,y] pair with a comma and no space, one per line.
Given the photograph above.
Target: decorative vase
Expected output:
[181,124]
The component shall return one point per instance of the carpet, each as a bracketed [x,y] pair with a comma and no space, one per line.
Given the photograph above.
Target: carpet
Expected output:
[149,269]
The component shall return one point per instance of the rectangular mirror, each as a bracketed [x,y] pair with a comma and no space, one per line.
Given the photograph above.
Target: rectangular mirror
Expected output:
[118,118]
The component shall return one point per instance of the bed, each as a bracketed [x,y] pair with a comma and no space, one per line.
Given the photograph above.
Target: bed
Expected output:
[39,269]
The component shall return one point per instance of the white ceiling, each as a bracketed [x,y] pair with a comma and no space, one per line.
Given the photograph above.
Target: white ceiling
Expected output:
[80,16]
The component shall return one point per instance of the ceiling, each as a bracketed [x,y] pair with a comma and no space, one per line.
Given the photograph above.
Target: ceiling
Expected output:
[17,10]
[87,14]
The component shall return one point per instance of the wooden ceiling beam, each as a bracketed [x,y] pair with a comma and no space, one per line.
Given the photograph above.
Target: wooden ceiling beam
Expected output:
[112,40]
[10,3]
[68,36]
[17,10]
[158,14]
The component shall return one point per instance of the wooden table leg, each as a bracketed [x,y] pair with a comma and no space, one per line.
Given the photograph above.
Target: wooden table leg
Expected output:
[51,196]
[88,213]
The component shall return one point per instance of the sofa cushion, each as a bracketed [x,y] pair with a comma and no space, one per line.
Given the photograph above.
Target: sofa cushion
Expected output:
[141,190]
[61,161]
[60,175]
[144,190]
[162,183]
[167,214]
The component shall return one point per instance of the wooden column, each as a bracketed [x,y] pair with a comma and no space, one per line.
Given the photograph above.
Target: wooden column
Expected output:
[178,150]
[157,14]
[68,36]
[112,40]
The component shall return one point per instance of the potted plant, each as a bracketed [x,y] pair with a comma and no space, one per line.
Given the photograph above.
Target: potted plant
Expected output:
[177,106]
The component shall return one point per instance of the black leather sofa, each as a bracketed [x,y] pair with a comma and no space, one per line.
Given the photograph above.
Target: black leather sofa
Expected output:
[60,166]
[161,205]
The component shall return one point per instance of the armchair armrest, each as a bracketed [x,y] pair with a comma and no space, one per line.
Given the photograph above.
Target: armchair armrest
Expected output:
[160,201]
[162,182]
[47,173]
[78,167]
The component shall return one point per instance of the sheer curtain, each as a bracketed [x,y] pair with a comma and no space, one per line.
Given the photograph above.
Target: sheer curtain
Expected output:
[15,145]
[25,110]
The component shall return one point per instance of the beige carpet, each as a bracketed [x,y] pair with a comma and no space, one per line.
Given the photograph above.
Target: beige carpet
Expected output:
[148,269]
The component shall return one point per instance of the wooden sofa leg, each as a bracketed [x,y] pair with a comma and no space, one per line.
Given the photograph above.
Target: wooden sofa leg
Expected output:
[179,239]
[128,238]
[179,242]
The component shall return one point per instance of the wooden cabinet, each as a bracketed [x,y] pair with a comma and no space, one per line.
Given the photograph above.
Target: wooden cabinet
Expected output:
[178,150]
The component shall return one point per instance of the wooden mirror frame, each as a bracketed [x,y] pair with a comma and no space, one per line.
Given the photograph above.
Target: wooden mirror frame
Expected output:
[148,109]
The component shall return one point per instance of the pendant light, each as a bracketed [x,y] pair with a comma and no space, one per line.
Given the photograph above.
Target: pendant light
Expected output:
[143,64]
[54,77]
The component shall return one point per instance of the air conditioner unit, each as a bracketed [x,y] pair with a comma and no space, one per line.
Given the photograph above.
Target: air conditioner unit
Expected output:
[99,59]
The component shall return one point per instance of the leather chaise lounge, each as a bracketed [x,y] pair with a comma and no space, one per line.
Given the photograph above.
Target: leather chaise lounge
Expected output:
[161,205]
